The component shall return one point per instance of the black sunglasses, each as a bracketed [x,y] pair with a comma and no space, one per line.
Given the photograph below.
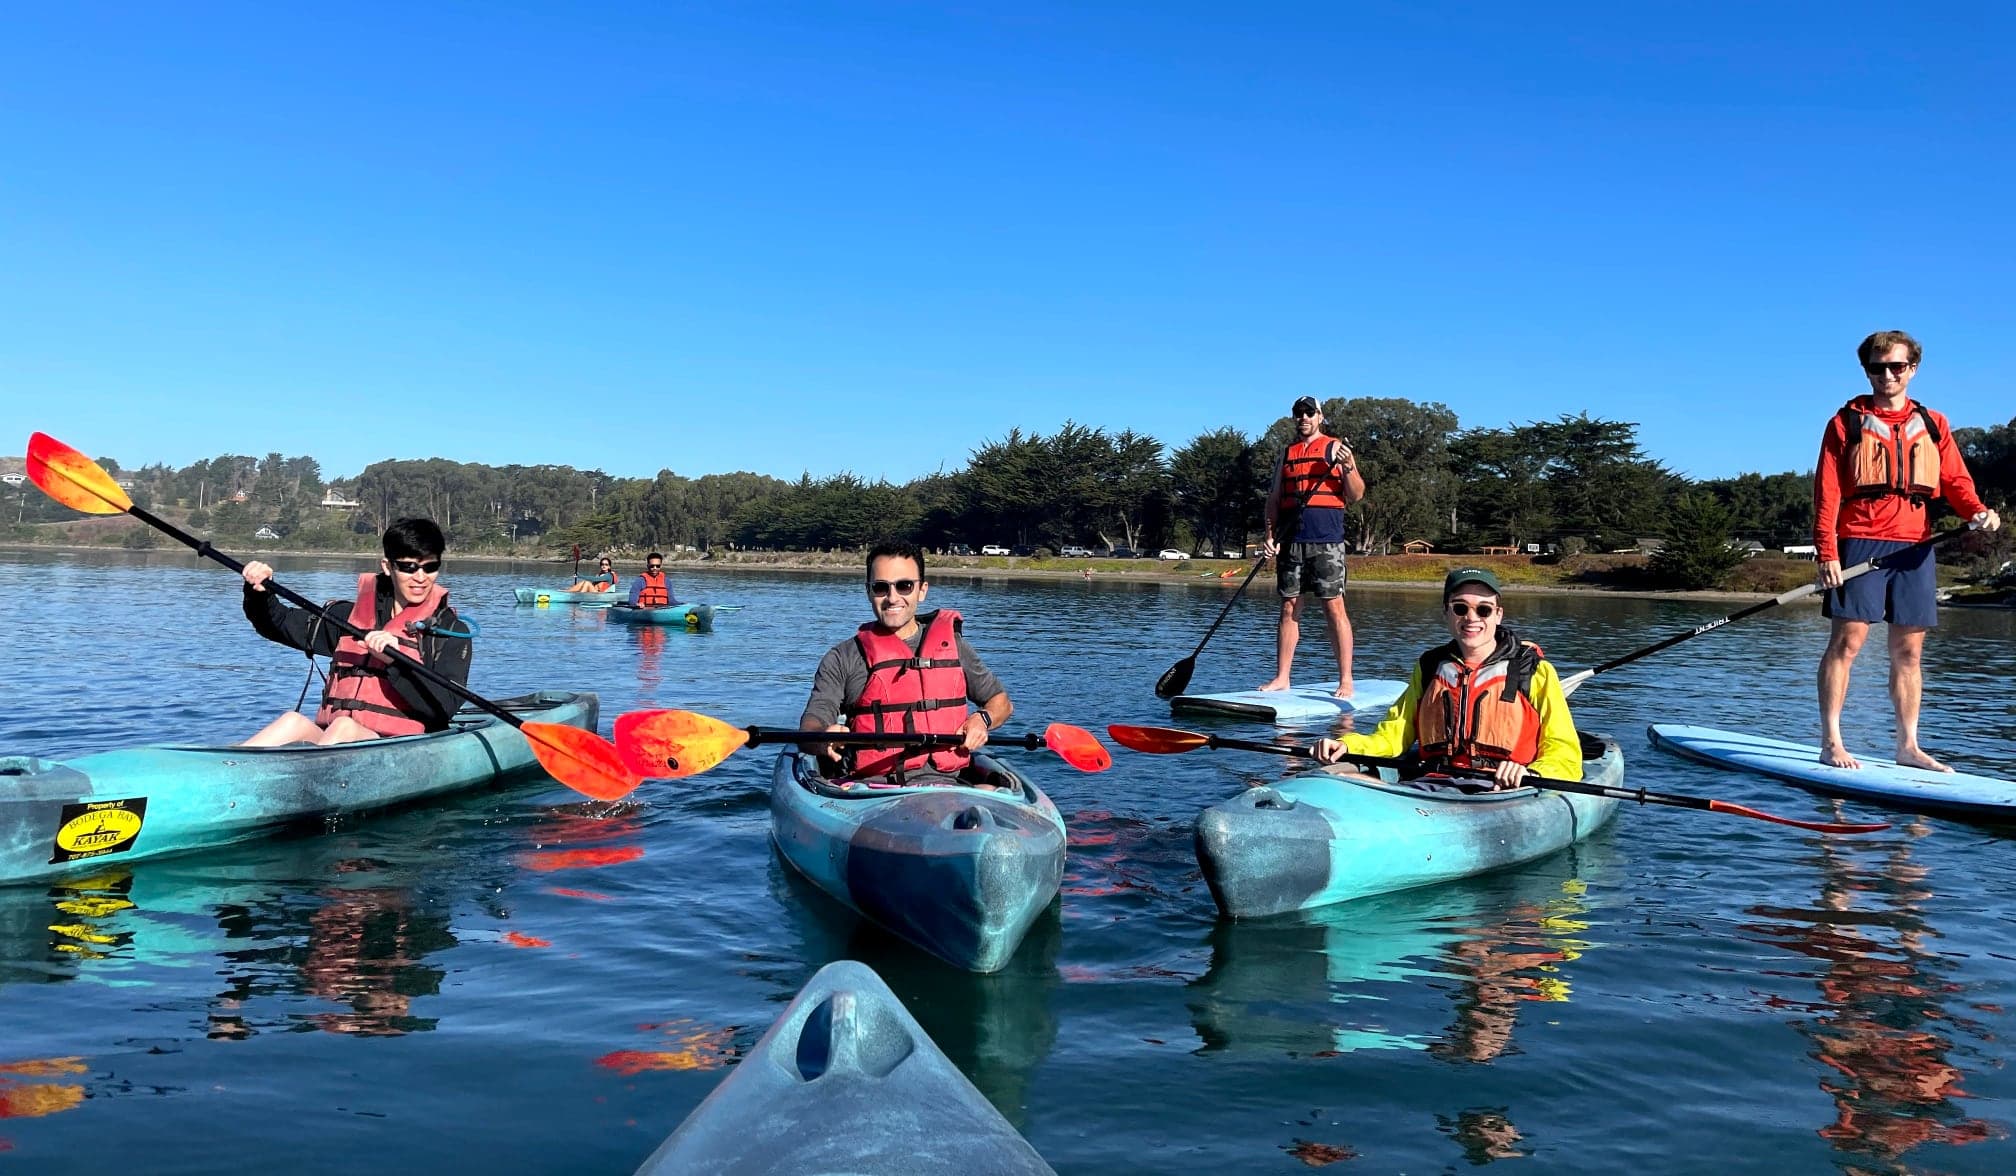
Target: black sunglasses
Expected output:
[1462,609]
[409,566]
[1895,369]
[882,587]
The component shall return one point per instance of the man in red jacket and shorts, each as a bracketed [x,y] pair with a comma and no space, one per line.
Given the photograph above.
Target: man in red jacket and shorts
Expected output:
[1883,459]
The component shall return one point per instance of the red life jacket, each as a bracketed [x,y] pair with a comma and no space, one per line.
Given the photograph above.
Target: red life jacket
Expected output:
[357,685]
[921,692]
[1474,718]
[655,594]
[1883,459]
[1306,467]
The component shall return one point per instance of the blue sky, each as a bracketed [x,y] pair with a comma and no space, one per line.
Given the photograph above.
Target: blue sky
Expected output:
[872,236]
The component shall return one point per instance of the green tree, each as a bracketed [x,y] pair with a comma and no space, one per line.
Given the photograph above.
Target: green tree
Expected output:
[1697,551]
[1218,485]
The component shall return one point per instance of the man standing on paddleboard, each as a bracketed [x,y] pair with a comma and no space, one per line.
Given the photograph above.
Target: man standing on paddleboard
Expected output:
[1883,459]
[1314,481]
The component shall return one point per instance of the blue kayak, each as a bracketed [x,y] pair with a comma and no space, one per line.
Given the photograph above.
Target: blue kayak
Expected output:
[1915,790]
[114,807]
[545,596]
[1332,835]
[960,872]
[698,618]
[846,1081]
[1309,703]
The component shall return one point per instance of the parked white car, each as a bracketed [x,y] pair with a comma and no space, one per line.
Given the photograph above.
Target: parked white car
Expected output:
[993,549]
[1075,552]
[1171,553]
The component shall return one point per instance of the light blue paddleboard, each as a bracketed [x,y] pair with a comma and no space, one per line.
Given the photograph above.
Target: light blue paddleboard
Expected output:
[1307,703]
[1953,794]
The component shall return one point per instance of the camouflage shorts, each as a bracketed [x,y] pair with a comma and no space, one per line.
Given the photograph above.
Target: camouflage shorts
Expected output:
[1316,568]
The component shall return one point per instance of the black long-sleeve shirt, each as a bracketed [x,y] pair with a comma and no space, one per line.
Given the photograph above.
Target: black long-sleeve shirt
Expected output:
[431,704]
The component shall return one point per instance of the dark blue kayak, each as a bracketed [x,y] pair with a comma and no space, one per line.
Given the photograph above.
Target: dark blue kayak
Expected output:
[846,1081]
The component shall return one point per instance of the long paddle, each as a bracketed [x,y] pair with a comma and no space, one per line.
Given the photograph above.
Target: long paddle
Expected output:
[676,744]
[1172,741]
[1176,679]
[582,760]
[1569,684]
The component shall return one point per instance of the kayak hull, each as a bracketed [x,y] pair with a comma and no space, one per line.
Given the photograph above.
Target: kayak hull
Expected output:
[113,807]
[1329,836]
[1946,794]
[1309,703]
[557,596]
[959,872]
[698,618]
[846,1081]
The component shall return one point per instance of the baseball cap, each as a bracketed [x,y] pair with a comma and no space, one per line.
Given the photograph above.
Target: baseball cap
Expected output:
[1307,404]
[1461,576]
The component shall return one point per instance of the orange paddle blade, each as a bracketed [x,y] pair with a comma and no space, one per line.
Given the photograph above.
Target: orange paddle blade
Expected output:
[674,744]
[582,760]
[73,479]
[1157,740]
[1078,747]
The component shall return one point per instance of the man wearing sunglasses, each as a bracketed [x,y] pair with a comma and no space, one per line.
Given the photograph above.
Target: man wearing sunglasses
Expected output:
[907,672]
[1314,481]
[651,590]
[1883,459]
[1486,701]
[403,610]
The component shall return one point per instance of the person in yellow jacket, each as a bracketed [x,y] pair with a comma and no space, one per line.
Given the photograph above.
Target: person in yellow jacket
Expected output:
[1486,701]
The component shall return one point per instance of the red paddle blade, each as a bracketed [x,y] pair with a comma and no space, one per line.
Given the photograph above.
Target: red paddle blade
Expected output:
[582,760]
[1723,806]
[1157,740]
[73,479]
[1078,747]
[674,744]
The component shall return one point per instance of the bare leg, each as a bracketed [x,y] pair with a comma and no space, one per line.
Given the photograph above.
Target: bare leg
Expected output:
[347,730]
[1340,640]
[1284,643]
[1907,682]
[1842,646]
[292,727]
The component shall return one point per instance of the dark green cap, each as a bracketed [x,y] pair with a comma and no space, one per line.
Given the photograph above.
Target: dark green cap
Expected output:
[1461,576]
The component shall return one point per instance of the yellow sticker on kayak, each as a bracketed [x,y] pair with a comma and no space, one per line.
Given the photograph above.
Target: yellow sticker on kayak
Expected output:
[94,828]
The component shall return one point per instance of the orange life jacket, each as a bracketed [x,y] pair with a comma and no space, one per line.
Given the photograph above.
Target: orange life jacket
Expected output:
[357,684]
[920,692]
[1306,468]
[1882,458]
[655,594]
[1473,718]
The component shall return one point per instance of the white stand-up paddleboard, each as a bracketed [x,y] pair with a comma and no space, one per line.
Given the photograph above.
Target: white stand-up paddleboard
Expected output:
[1298,704]
[1878,781]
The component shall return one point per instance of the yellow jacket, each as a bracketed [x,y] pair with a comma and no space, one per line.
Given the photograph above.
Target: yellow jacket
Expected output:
[1560,755]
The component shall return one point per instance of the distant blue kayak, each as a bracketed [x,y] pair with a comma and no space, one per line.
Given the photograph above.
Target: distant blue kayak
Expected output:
[1952,794]
[1312,702]
[698,618]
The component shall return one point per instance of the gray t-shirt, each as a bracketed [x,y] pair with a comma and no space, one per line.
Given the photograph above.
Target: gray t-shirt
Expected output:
[843,675]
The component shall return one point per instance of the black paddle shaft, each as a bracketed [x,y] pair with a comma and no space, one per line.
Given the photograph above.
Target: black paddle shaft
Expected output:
[202,547]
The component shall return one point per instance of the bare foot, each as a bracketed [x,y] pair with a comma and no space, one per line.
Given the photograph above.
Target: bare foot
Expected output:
[1915,757]
[1835,755]
[1273,684]
[1344,690]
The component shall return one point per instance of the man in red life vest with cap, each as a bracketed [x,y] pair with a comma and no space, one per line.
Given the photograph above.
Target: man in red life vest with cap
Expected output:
[906,672]
[1318,473]
[1883,459]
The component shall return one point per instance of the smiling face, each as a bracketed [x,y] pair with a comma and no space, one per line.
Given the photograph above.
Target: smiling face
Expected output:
[888,577]
[1890,372]
[1308,424]
[412,579]
[1474,633]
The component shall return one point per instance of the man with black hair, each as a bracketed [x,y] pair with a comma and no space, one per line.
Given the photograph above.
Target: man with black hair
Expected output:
[907,672]
[403,610]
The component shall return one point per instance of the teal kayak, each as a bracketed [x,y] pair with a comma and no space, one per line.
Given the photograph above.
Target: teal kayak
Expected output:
[1913,790]
[697,617]
[1331,835]
[960,872]
[558,596]
[113,807]
[846,1081]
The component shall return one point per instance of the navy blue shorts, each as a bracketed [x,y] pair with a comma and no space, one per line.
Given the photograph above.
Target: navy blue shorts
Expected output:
[1904,594]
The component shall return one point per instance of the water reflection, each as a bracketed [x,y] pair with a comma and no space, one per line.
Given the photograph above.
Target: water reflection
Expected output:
[1883,1025]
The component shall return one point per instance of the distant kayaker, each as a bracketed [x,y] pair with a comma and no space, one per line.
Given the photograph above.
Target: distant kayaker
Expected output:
[1883,459]
[404,611]
[1486,700]
[905,671]
[604,579]
[651,590]
[1317,471]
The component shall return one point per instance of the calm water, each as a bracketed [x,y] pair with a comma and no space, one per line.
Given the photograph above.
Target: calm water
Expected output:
[521,981]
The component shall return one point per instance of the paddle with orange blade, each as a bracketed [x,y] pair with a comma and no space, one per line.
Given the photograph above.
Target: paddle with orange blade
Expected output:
[582,760]
[1173,741]
[675,744]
